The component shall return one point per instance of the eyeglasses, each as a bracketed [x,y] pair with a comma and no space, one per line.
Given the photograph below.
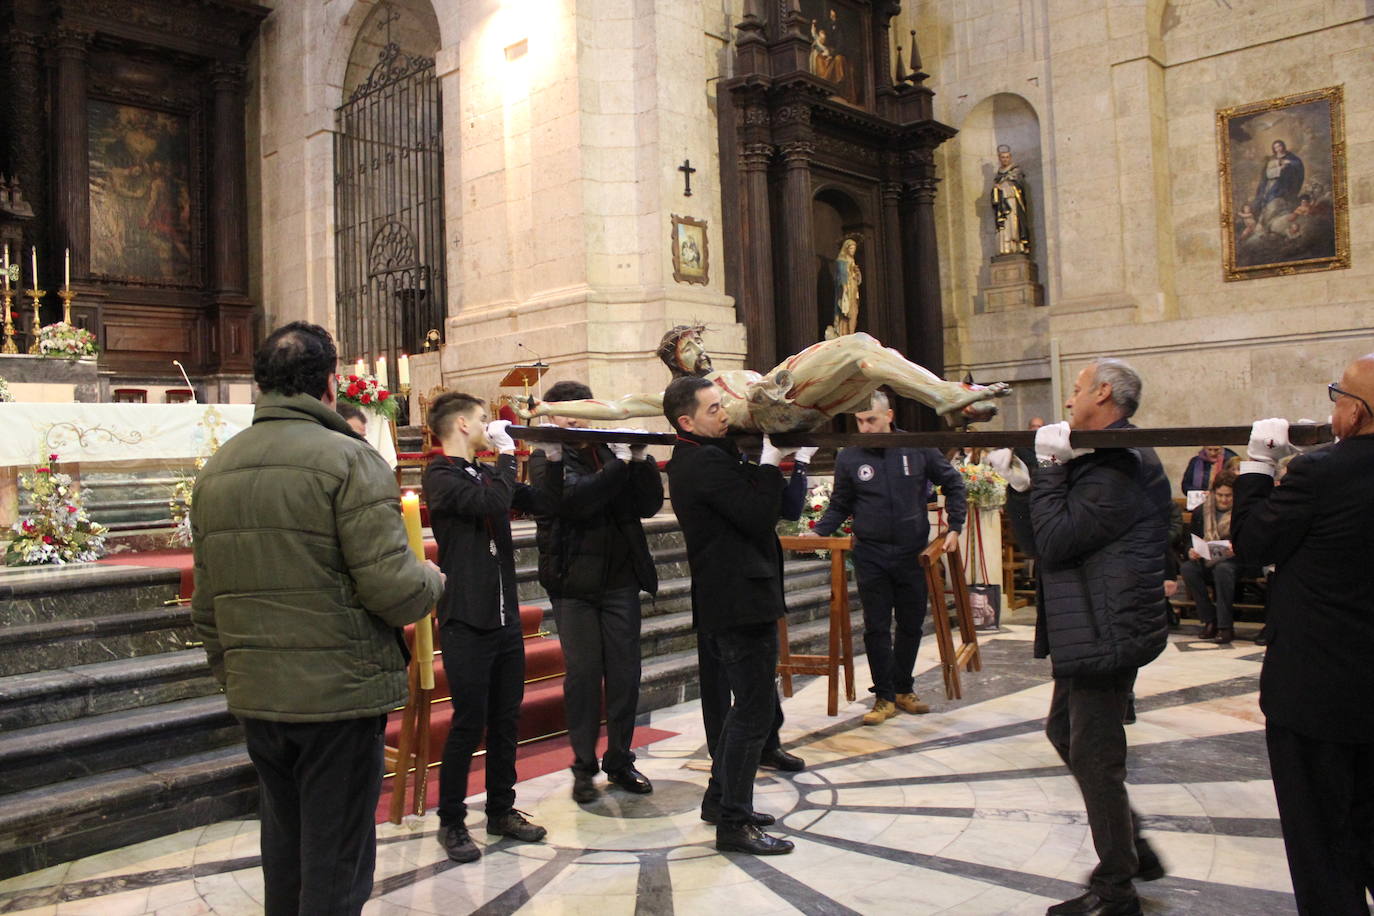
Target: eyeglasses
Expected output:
[1335,393]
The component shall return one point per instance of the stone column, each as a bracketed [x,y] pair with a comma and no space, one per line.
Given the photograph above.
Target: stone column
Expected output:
[228,209]
[802,328]
[71,159]
[757,307]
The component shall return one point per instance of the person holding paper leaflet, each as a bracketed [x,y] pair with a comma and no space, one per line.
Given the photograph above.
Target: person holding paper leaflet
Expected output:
[1212,561]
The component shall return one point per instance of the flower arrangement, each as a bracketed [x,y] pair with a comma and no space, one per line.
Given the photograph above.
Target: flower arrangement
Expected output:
[363,391]
[985,487]
[66,341]
[58,531]
[5,391]
[180,506]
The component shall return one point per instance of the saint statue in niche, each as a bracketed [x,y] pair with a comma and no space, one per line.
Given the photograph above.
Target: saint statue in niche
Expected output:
[1010,205]
[802,393]
[847,280]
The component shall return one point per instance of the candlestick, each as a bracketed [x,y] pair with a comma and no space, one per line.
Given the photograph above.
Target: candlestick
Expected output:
[37,296]
[67,270]
[424,631]
[9,345]
[382,378]
[67,296]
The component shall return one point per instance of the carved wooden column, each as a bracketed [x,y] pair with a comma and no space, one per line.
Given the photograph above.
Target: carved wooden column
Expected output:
[71,162]
[758,306]
[227,190]
[887,318]
[802,327]
[926,321]
[23,107]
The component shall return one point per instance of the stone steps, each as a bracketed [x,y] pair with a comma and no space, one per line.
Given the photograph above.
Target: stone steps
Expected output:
[63,694]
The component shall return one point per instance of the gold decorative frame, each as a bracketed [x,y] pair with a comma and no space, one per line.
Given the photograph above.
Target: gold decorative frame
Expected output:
[685,268]
[1328,110]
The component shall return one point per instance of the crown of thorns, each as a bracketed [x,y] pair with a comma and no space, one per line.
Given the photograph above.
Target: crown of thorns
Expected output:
[667,347]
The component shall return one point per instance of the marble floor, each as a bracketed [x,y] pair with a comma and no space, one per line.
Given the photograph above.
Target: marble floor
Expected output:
[966,810]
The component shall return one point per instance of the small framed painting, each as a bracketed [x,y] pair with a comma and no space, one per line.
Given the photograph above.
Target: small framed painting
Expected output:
[691,262]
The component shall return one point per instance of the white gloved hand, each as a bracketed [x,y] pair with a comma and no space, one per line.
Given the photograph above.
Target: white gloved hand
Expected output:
[1269,440]
[498,437]
[553,451]
[804,455]
[637,451]
[1012,469]
[1052,444]
[772,454]
[621,450]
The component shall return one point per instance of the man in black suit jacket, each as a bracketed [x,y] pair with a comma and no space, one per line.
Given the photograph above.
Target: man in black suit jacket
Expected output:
[728,510]
[1317,684]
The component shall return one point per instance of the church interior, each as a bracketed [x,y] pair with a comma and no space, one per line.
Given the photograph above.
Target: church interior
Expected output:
[490,196]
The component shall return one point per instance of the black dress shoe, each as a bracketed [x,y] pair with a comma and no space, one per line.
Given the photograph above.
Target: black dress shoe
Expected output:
[1090,904]
[778,759]
[750,839]
[584,788]
[631,780]
[1148,866]
[457,842]
[757,818]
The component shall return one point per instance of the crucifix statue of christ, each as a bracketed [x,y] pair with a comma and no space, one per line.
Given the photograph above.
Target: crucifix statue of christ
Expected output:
[801,394]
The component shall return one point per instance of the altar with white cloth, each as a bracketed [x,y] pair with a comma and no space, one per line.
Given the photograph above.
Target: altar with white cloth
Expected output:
[103,432]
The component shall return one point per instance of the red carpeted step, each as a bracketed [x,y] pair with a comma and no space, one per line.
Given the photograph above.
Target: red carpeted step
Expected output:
[541,714]
[531,621]
[543,660]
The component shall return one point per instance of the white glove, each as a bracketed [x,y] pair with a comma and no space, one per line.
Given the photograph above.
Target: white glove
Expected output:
[637,451]
[804,455]
[1269,440]
[772,454]
[1012,469]
[553,451]
[1052,444]
[498,437]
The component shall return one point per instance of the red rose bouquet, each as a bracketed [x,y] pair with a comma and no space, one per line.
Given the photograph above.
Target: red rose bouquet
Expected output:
[363,391]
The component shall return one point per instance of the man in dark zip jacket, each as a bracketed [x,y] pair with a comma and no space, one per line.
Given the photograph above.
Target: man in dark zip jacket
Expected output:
[479,619]
[1101,529]
[884,489]
[593,562]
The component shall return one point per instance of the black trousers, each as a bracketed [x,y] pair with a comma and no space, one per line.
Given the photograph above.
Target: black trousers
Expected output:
[891,586]
[748,657]
[600,645]
[1197,574]
[1325,792]
[486,678]
[715,702]
[1085,727]
[319,784]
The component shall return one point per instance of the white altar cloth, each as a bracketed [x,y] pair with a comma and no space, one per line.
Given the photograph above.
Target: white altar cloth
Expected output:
[92,432]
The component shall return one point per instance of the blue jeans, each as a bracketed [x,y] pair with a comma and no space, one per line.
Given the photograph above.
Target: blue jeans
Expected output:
[748,658]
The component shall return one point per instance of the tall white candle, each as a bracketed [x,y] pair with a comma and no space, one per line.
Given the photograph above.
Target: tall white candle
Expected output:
[67,269]
[403,370]
[360,367]
[33,255]
[381,371]
[7,267]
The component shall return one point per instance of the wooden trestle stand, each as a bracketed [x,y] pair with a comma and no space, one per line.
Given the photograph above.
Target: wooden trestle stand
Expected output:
[966,655]
[841,654]
[413,751]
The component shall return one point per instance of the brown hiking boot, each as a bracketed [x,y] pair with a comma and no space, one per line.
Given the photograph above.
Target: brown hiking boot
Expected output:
[909,702]
[882,711]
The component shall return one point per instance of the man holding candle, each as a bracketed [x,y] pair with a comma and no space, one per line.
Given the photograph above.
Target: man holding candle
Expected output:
[594,561]
[303,577]
[479,619]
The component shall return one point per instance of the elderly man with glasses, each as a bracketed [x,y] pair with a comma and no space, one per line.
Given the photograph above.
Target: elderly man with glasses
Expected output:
[1318,676]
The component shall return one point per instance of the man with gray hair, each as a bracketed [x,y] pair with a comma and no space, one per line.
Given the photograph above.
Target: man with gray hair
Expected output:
[1101,529]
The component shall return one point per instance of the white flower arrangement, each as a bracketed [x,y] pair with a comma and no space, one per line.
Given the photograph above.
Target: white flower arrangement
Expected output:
[66,341]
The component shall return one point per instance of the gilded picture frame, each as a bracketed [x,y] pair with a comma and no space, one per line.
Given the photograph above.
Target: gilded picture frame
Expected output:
[691,257]
[1284,203]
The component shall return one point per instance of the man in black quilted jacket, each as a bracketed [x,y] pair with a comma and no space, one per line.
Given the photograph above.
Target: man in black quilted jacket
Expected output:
[1101,528]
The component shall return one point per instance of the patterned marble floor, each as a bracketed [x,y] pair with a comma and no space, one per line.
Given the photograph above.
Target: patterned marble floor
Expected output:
[965,810]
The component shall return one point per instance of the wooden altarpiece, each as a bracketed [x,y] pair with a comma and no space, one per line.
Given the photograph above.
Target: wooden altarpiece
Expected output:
[823,137]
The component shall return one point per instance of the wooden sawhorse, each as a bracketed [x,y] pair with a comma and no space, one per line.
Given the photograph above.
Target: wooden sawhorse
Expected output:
[841,654]
[966,656]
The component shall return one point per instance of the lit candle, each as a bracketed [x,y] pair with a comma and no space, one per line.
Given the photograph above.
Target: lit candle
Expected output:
[67,269]
[403,370]
[381,371]
[33,255]
[424,632]
[360,367]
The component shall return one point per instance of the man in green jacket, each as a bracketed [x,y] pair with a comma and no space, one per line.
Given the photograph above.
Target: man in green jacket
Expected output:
[303,578]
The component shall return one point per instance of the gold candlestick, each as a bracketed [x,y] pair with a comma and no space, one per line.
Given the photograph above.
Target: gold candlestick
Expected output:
[37,296]
[9,345]
[67,296]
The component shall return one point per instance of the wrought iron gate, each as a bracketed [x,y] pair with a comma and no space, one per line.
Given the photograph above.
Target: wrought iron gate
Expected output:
[389,211]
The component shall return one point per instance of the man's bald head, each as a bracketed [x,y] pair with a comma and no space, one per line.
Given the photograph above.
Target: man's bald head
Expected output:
[1352,415]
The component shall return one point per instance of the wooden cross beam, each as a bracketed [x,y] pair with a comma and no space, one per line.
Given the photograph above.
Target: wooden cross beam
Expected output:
[1304,435]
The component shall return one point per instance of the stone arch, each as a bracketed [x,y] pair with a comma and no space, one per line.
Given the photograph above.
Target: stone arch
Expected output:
[1010,119]
[350,54]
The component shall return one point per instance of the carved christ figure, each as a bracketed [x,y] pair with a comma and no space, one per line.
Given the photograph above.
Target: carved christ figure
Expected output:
[847,280]
[802,393]
[1010,206]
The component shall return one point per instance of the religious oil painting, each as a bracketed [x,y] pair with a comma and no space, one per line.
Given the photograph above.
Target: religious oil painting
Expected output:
[838,46]
[690,257]
[140,194]
[1283,191]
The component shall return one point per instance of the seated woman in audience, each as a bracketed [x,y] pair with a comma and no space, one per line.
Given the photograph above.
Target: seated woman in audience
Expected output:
[1204,467]
[1212,522]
